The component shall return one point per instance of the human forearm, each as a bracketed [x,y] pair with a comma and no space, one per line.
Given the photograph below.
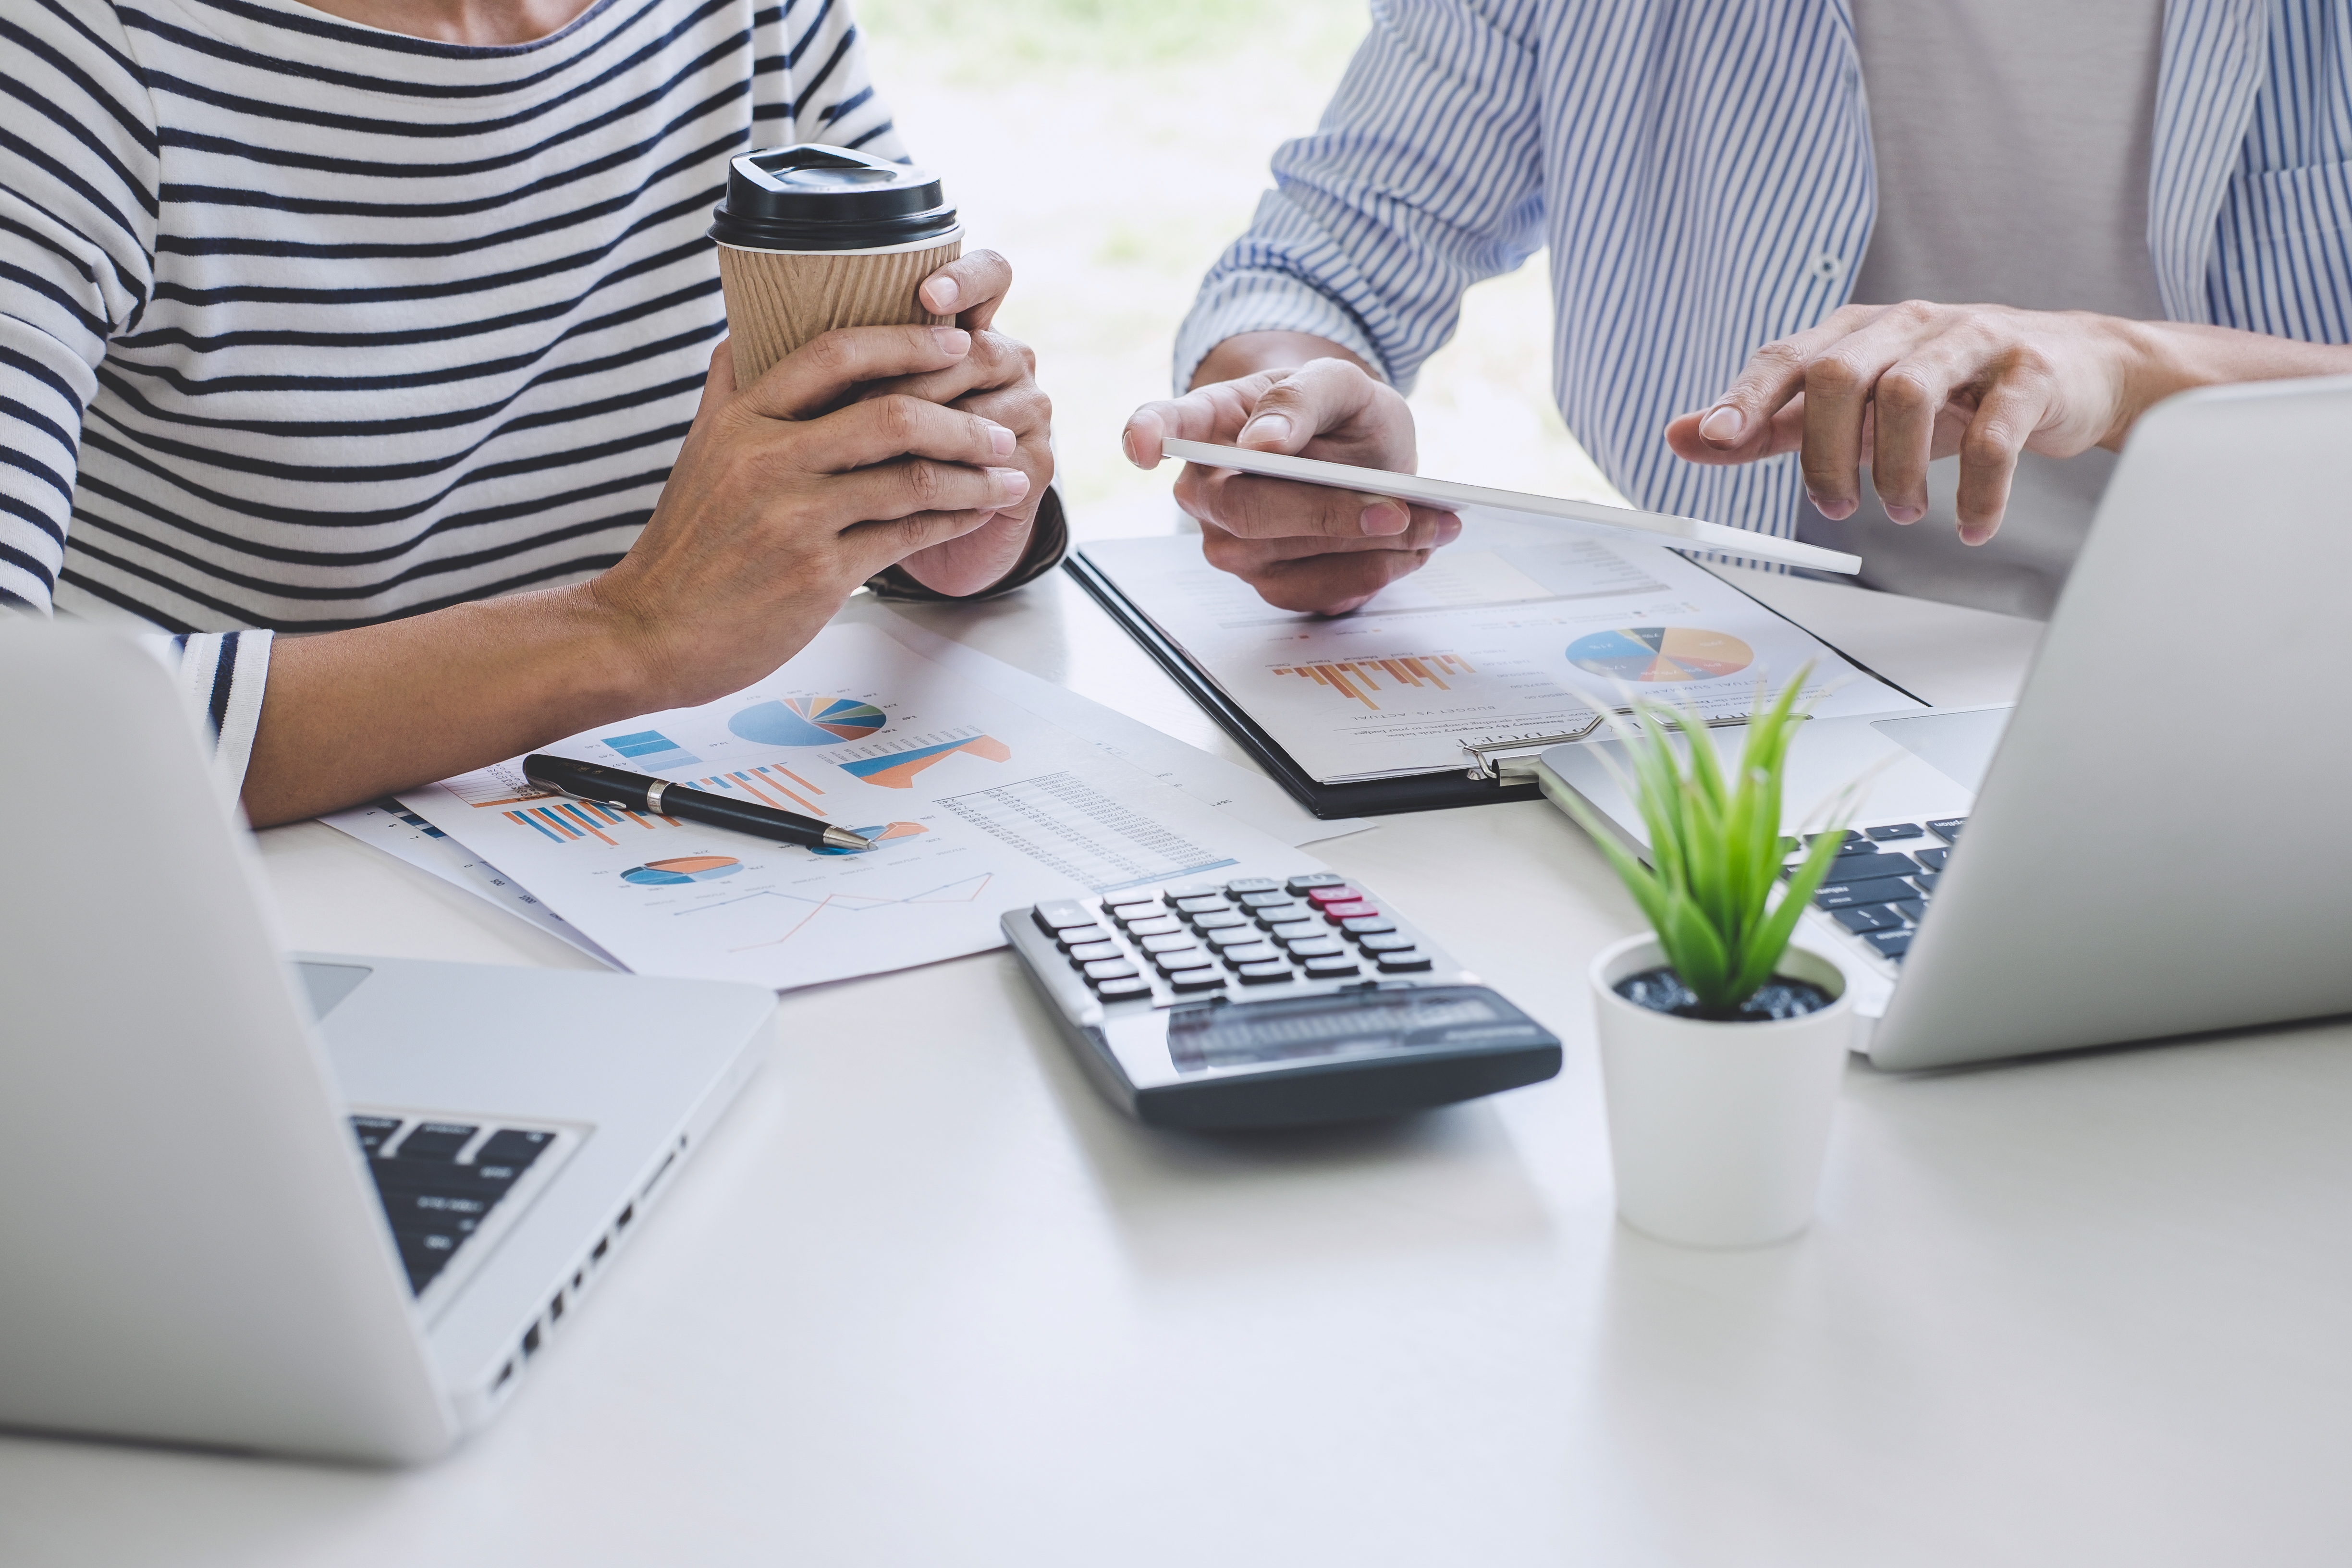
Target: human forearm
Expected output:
[775,512]
[350,716]
[2168,357]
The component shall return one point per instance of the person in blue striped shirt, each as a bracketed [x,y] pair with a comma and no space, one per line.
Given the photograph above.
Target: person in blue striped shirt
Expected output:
[1802,252]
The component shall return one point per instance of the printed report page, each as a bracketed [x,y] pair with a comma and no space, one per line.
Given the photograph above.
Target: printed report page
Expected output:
[974,805]
[1515,632]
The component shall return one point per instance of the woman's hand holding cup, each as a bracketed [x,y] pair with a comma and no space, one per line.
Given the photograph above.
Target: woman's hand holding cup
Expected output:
[790,492]
[814,240]
[998,381]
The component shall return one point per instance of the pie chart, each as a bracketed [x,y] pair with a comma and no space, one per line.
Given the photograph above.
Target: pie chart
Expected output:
[1661,653]
[684,868]
[881,833]
[808,722]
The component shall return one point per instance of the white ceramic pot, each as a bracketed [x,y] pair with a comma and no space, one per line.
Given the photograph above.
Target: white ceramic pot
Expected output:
[1717,1130]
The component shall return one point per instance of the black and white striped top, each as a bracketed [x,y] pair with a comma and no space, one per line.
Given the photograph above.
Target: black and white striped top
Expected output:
[304,324]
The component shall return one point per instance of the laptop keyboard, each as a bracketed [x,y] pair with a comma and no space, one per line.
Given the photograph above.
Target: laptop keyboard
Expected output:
[439,1181]
[1884,878]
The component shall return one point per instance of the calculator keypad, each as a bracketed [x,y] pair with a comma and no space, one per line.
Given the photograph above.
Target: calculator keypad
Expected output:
[1201,941]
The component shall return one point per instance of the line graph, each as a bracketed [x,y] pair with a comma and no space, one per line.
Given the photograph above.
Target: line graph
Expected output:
[964,891]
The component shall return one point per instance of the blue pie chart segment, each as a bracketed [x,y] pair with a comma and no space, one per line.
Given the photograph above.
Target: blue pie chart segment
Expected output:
[1660,654]
[808,722]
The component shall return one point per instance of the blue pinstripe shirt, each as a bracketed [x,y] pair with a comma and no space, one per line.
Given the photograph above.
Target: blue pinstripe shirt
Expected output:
[1701,171]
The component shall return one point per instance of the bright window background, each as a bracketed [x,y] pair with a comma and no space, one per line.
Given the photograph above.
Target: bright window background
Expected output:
[1111,149]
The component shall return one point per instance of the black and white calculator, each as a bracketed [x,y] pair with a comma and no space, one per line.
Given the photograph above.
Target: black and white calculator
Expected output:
[1266,1002]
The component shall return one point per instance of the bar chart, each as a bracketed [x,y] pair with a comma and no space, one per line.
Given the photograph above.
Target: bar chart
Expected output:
[1356,680]
[771,784]
[578,821]
[651,751]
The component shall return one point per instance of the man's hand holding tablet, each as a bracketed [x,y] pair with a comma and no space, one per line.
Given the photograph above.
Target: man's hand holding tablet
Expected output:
[1314,531]
[1303,547]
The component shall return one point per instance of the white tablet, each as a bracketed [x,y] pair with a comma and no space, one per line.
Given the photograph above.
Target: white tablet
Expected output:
[1658,527]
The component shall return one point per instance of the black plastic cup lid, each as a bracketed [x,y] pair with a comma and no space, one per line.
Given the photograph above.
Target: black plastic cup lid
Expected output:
[813,197]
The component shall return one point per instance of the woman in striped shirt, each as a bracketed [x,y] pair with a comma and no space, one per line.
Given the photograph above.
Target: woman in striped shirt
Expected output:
[395,320]
[2159,196]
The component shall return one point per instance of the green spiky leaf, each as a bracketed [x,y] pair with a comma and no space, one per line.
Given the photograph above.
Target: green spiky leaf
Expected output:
[1712,889]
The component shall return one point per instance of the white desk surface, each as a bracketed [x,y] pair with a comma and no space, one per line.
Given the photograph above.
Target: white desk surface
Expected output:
[926,1300]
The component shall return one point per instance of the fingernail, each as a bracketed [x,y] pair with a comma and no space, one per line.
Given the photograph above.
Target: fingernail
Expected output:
[1012,481]
[1449,528]
[1832,510]
[1905,513]
[1002,441]
[954,340]
[1723,425]
[1384,517]
[1274,428]
[942,294]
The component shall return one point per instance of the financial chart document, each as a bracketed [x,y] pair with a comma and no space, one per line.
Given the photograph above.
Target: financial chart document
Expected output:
[1515,632]
[402,833]
[976,806]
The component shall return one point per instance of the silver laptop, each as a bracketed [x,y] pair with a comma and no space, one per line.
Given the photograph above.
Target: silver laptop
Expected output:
[333,1207]
[2149,843]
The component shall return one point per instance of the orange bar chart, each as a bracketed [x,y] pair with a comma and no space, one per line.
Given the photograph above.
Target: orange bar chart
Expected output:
[765,784]
[571,821]
[1358,680]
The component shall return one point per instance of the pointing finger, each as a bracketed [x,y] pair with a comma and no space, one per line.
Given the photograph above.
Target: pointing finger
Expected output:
[1737,424]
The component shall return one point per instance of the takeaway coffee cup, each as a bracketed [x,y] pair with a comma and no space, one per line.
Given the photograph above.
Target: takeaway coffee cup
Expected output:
[814,237]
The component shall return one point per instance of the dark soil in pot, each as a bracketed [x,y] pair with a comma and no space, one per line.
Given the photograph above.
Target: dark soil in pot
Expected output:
[1662,991]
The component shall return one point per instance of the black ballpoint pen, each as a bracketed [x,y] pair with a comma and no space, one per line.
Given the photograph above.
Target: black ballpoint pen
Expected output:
[659,797]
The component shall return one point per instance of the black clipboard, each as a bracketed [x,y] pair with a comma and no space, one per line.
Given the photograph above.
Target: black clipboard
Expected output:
[1372,798]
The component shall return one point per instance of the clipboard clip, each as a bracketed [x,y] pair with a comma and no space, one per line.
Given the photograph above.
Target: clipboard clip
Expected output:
[1513,761]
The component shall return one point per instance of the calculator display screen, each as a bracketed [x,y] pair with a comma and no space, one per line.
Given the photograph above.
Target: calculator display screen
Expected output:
[1345,1024]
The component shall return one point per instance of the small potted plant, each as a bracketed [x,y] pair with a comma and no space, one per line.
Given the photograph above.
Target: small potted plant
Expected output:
[1722,1044]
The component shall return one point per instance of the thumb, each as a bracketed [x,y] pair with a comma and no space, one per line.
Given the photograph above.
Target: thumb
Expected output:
[1283,420]
[1319,398]
[1141,440]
